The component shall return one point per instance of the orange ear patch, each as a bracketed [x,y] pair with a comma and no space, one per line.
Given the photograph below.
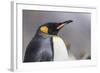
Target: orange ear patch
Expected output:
[44,29]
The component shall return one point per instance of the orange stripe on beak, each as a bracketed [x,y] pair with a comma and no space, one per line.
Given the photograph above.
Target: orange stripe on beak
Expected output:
[60,26]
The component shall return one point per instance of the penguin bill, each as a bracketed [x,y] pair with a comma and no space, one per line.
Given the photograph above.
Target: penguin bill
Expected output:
[60,26]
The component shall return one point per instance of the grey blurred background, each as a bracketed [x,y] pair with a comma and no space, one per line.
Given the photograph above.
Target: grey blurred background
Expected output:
[77,33]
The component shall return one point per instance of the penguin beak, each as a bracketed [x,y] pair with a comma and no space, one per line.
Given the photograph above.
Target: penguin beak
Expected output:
[60,25]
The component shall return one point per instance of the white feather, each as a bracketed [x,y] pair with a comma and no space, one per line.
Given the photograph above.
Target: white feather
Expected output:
[60,50]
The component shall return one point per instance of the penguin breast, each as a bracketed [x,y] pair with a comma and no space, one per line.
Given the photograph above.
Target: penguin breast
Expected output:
[60,49]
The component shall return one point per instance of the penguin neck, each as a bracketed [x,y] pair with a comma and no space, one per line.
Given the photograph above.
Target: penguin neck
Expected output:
[43,35]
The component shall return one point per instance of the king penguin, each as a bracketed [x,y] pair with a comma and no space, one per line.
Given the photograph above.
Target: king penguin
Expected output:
[46,45]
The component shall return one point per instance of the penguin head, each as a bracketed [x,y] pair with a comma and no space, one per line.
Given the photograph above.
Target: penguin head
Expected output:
[52,28]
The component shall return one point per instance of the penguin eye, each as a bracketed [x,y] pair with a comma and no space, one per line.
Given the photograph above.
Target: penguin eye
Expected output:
[44,29]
